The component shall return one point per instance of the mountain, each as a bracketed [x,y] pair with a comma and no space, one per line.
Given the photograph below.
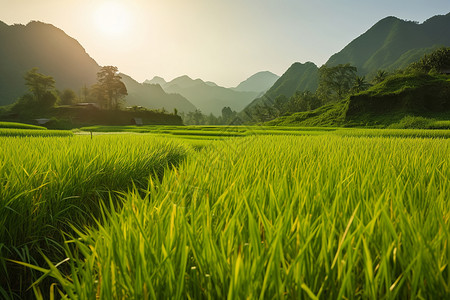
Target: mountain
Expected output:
[259,82]
[46,47]
[208,96]
[156,80]
[390,44]
[153,96]
[299,77]
[50,49]
[394,43]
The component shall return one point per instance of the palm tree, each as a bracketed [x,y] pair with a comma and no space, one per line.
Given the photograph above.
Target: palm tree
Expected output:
[380,77]
[360,84]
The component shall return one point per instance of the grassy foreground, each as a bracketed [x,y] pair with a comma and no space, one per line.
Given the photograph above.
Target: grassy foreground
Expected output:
[298,217]
[48,184]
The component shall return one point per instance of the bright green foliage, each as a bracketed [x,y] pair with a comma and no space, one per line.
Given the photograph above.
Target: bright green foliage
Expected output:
[264,217]
[436,61]
[46,184]
[53,175]
[421,122]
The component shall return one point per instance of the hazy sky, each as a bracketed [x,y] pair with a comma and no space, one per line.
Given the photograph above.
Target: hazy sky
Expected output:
[223,41]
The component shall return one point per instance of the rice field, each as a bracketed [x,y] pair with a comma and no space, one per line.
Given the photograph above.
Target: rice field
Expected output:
[220,132]
[345,214]
[15,125]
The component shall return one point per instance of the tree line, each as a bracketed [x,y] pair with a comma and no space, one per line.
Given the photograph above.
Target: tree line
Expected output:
[108,92]
[196,117]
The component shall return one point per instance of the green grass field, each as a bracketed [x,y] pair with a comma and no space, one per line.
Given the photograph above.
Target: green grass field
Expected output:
[13,125]
[336,213]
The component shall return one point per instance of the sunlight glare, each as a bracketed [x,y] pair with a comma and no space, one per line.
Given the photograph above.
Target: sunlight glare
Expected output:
[112,19]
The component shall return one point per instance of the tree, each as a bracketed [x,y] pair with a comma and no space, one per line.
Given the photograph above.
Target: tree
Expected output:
[42,87]
[228,115]
[280,104]
[302,101]
[195,117]
[85,93]
[97,94]
[68,97]
[112,86]
[380,77]
[335,82]
[360,84]
[436,61]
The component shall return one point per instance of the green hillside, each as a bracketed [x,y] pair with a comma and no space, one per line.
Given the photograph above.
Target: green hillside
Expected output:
[387,103]
[299,77]
[410,94]
[393,43]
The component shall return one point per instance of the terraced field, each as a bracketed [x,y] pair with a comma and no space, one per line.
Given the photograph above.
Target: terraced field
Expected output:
[269,212]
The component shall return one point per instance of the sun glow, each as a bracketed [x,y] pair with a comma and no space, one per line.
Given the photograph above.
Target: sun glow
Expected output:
[112,19]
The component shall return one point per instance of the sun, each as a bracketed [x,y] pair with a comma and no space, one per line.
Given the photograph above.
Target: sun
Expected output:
[112,19]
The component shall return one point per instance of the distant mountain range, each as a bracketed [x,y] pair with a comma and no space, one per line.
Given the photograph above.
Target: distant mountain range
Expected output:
[153,96]
[211,98]
[50,49]
[390,44]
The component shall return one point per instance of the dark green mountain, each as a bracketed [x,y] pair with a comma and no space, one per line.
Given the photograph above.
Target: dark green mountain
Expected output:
[299,77]
[48,48]
[207,96]
[389,45]
[259,82]
[393,43]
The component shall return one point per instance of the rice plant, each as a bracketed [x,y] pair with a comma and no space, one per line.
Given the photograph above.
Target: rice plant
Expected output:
[9,132]
[48,185]
[297,217]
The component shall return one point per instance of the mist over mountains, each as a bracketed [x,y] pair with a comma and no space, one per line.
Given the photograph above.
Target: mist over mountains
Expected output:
[211,98]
